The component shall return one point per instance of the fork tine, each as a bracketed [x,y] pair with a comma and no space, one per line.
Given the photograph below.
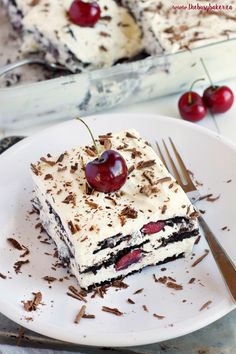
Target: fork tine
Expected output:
[182,165]
[161,155]
[176,173]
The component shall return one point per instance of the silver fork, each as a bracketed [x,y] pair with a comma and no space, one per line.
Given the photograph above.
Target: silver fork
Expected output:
[223,261]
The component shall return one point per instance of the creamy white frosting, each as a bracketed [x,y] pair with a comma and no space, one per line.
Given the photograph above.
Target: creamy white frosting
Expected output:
[94,224]
[167,28]
[47,27]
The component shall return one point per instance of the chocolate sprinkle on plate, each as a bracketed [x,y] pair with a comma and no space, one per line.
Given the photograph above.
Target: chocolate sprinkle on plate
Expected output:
[200,258]
[31,305]
[130,301]
[158,316]
[138,291]
[206,305]
[2,276]
[80,314]
[114,311]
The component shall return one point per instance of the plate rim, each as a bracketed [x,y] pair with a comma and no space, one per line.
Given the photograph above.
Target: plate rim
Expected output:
[141,337]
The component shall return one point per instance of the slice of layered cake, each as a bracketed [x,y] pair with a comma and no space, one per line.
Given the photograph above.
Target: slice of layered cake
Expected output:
[169,26]
[149,220]
[46,27]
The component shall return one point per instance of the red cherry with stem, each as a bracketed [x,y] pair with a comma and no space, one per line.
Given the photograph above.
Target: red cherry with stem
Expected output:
[108,172]
[84,14]
[218,99]
[191,105]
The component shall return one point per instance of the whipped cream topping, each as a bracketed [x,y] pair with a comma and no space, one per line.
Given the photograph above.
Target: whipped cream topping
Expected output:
[91,218]
[169,28]
[46,27]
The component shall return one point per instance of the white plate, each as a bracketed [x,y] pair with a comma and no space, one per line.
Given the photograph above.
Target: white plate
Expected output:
[213,160]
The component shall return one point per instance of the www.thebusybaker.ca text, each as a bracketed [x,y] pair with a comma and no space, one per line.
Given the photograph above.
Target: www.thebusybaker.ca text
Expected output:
[209,7]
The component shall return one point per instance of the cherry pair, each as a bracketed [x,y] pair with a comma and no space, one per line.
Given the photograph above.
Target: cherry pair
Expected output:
[193,107]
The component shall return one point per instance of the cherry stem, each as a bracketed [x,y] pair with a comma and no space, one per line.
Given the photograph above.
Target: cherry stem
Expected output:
[191,89]
[91,134]
[207,72]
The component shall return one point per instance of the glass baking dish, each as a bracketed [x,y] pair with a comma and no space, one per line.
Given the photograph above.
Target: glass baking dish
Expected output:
[85,93]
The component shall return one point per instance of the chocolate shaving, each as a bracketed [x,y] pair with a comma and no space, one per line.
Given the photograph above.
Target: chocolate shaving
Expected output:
[60,158]
[149,190]
[91,204]
[174,286]
[34,2]
[106,18]
[158,316]
[74,168]
[111,199]
[75,293]
[48,162]
[17,266]
[119,284]
[129,212]
[61,169]
[49,279]
[197,240]
[130,301]
[131,169]
[73,227]
[129,135]
[161,280]
[163,209]
[80,314]
[149,175]
[34,169]
[134,153]
[103,48]
[70,199]
[145,164]
[88,189]
[122,220]
[139,291]
[15,244]
[90,152]
[192,280]
[200,258]
[2,276]
[164,179]
[31,305]
[204,306]
[48,176]
[122,147]
[114,311]
[145,308]
[213,199]
[88,316]
[100,292]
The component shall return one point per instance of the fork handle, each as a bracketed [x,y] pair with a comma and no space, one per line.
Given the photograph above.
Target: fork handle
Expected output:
[226,266]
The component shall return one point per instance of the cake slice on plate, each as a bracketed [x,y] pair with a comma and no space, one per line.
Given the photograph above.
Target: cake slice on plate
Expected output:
[105,236]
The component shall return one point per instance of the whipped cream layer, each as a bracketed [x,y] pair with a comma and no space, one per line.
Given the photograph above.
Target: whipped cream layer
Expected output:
[167,28]
[46,27]
[89,219]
